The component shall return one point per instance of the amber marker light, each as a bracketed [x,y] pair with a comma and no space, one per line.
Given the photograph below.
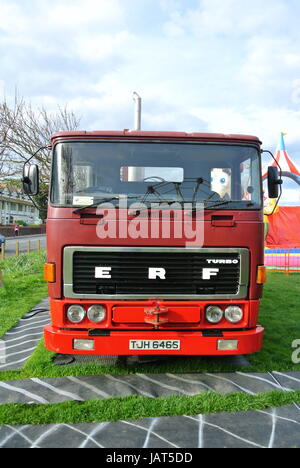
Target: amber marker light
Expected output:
[261,275]
[49,272]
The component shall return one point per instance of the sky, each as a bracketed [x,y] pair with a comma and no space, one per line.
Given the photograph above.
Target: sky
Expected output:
[229,66]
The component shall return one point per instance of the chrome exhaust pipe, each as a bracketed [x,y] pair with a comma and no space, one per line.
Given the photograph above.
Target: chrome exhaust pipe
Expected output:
[137,112]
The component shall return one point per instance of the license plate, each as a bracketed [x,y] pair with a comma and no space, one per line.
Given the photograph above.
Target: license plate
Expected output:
[154,345]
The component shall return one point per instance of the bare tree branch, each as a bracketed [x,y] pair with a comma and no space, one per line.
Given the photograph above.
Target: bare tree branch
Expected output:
[23,130]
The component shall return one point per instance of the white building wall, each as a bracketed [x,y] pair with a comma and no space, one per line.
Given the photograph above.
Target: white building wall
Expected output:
[10,211]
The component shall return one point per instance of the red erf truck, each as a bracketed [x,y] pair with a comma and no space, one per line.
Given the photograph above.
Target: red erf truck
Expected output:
[130,295]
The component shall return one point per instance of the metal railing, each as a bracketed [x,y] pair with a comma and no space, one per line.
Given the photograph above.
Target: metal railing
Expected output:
[284,260]
[31,246]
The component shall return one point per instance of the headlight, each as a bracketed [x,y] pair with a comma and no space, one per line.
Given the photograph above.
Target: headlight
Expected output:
[96,313]
[234,314]
[214,314]
[76,313]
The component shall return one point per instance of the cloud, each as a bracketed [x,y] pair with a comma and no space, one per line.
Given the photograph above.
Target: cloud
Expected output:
[19,17]
[77,14]
[101,46]
[229,17]
[2,89]
[272,65]
[266,123]
[290,196]
[209,65]
[12,19]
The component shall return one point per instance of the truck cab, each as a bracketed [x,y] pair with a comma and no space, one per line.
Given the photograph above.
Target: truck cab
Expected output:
[155,243]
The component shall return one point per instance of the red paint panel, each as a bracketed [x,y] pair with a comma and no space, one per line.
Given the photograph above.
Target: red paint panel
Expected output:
[175,314]
[64,229]
[192,343]
[227,229]
[128,134]
[58,310]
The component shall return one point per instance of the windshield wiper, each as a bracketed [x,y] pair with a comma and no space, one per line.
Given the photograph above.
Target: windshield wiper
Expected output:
[152,189]
[199,181]
[215,203]
[224,202]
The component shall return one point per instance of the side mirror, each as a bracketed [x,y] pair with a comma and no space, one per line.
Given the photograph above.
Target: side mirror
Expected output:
[31,179]
[273,182]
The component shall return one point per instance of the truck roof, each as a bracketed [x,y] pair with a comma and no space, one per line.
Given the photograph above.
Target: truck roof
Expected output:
[132,134]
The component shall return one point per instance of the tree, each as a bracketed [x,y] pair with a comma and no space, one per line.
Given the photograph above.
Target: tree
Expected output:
[7,168]
[24,130]
[41,200]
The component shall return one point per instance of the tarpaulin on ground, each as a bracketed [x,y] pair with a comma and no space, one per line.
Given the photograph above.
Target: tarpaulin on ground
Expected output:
[284,228]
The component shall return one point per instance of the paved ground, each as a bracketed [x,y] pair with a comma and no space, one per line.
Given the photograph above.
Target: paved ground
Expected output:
[21,340]
[84,388]
[10,244]
[276,428]
[279,427]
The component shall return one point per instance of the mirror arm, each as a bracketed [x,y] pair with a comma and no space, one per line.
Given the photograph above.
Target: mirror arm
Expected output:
[31,157]
[27,180]
[275,160]
[33,202]
[279,181]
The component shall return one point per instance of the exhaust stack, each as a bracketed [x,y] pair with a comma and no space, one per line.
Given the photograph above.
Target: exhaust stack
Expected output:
[137,112]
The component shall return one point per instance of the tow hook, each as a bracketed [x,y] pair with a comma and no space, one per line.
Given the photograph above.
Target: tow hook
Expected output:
[154,315]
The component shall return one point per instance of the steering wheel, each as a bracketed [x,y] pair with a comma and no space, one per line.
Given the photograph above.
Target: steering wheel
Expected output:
[159,179]
[214,195]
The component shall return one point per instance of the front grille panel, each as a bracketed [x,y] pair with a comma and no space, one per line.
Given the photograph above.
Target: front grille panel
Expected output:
[129,273]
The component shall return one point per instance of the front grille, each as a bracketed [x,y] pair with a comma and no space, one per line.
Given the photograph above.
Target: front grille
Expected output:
[129,273]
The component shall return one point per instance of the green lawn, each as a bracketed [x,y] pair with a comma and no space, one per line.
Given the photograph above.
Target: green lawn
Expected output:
[23,287]
[135,407]
[280,315]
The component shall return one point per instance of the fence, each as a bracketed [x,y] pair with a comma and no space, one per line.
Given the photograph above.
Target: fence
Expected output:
[8,231]
[30,246]
[285,260]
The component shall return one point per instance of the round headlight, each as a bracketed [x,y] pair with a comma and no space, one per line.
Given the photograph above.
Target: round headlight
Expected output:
[96,313]
[214,314]
[76,313]
[234,314]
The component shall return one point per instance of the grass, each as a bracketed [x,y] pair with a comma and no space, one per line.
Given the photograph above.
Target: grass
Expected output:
[23,287]
[280,315]
[134,407]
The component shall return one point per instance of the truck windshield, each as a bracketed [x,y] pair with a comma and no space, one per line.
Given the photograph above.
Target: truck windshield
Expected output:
[227,175]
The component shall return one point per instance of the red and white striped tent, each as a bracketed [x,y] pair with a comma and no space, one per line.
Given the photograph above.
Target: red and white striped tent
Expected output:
[284,225]
[288,167]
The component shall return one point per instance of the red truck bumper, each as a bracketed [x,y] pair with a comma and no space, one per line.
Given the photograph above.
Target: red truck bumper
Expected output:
[191,342]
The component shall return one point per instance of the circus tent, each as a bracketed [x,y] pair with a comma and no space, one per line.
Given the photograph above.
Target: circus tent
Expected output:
[284,225]
[287,166]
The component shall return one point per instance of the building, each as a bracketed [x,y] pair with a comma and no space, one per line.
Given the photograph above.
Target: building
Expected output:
[16,206]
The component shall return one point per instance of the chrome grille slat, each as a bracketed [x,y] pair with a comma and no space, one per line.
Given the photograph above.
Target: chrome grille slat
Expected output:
[126,280]
[130,273]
